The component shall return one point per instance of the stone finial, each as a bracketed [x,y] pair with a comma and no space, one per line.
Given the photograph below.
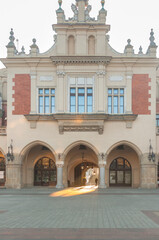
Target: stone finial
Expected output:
[152,43]
[129,41]
[103,3]
[60,13]
[11,38]
[60,3]
[34,43]
[140,50]
[23,50]
[129,48]
[34,48]
[152,47]
[11,49]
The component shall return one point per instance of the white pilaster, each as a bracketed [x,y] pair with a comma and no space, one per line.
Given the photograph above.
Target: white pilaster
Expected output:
[60,165]
[59,176]
[102,164]
[129,94]
[33,93]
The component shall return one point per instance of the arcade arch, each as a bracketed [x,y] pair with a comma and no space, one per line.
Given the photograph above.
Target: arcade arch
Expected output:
[81,165]
[38,165]
[123,165]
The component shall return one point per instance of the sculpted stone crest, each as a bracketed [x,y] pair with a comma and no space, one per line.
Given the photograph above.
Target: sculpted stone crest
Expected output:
[75,10]
[87,11]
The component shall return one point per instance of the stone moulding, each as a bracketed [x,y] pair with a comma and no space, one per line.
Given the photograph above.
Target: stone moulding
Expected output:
[93,116]
[81,128]
[80,59]
[80,122]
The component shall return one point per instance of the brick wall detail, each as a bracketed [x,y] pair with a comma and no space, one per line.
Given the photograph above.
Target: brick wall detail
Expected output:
[140,94]
[22,94]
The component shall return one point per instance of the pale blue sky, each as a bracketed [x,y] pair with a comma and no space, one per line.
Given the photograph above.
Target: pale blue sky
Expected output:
[34,18]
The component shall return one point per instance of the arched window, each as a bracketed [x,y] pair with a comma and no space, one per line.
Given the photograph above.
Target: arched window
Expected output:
[45,172]
[71,45]
[2,171]
[120,172]
[91,45]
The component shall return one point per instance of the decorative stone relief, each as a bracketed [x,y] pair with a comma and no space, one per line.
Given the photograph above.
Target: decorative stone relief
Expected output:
[61,73]
[116,78]
[78,128]
[129,77]
[46,78]
[102,160]
[101,73]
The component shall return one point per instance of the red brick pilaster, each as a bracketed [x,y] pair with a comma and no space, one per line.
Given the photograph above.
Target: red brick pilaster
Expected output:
[22,95]
[140,94]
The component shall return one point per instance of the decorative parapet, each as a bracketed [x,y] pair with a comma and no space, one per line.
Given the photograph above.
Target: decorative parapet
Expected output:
[80,59]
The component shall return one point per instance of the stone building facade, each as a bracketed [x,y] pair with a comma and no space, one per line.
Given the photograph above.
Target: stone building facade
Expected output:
[80,113]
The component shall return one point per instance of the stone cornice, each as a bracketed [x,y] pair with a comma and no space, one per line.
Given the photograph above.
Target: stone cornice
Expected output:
[67,116]
[80,59]
[80,122]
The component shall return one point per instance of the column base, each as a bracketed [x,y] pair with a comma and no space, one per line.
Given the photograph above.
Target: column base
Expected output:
[102,186]
[59,186]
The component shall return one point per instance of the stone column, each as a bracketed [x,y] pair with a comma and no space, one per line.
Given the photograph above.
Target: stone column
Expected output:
[60,165]
[102,164]
[148,172]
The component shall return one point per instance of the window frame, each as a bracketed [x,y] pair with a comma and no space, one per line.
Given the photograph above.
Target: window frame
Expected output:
[45,95]
[118,96]
[86,86]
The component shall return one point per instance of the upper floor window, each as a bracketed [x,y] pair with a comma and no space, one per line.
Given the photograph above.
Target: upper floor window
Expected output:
[46,100]
[81,95]
[81,100]
[157,120]
[115,100]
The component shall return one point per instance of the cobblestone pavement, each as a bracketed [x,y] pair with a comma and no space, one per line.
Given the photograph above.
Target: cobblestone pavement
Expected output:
[103,214]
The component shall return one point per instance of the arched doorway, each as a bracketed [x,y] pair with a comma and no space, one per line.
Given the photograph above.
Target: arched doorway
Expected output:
[2,171]
[32,170]
[120,173]
[45,172]
[86,174]
[81,165]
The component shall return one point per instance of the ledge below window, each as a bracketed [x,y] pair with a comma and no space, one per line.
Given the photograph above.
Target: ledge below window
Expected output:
[81,122]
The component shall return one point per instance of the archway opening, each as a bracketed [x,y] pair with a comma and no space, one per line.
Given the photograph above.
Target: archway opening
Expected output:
[45,172]
[2,170]
[120,173]
[123,167]
[81,166]
[39,168]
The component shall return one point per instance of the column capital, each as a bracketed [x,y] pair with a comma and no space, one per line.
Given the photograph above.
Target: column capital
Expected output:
[102,159]
[59,164]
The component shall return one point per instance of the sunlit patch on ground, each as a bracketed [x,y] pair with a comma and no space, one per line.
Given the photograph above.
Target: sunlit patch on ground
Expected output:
[68,192]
